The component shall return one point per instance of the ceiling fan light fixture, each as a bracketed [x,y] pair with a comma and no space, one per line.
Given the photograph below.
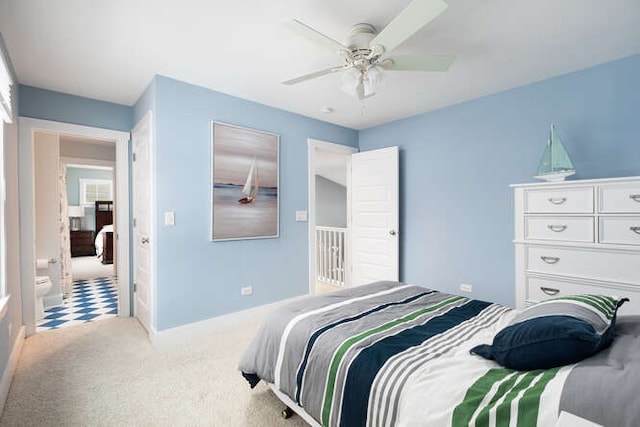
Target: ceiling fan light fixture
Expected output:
[371,80]
[351,79]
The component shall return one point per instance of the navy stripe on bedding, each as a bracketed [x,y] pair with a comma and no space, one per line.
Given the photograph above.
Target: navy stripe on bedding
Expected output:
[366,365]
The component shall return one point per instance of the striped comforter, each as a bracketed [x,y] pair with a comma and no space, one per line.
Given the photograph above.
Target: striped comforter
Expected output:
[390,354]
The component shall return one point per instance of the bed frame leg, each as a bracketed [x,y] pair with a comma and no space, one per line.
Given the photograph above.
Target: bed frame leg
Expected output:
[287,413]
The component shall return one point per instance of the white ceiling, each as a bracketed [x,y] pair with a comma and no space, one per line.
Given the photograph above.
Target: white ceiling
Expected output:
[110,50]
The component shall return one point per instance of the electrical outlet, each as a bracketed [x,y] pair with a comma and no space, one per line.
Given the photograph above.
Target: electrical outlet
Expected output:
[246,290]
[466,288]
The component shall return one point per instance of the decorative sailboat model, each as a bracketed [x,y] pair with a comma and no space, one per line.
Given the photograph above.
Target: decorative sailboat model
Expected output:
[251,186]
[555,164]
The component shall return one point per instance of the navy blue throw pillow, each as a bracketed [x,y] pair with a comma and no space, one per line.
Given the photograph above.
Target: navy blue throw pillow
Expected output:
[555,332]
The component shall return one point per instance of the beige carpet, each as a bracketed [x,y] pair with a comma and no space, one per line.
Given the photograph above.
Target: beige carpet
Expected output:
[107,374]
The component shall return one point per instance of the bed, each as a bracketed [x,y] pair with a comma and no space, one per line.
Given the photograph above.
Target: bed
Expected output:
[104,227]
[391,354]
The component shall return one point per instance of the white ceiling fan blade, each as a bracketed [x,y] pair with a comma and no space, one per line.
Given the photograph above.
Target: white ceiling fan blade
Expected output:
[419,63]
[415,16]
[310,34]
[312,75]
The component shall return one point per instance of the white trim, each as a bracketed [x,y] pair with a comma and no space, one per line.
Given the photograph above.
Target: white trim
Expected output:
[90,167]
[179,334]
[26,129]
[7,375]
[314,144]
[80,162]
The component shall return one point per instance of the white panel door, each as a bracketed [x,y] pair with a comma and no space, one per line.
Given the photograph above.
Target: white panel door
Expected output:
[143,299]
[374,216]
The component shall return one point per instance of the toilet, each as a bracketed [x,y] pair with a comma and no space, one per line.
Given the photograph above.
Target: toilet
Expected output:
[43,286]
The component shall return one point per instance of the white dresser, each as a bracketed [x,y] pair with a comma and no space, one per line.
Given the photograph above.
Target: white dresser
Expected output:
[578,237]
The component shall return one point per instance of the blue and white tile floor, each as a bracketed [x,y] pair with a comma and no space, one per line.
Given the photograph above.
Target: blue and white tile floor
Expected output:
[91,300]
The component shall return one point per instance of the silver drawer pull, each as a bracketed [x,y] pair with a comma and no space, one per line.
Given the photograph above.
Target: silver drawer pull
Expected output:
[550,259]
[635,197]
[550,291]
[635,229]
[557,227]
[559,200]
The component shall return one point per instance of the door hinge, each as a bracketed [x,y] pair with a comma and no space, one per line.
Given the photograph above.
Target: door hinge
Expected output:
[134,222]
[134,157]
[135,287]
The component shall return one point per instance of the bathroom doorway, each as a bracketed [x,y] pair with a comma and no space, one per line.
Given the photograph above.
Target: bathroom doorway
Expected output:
[63,218]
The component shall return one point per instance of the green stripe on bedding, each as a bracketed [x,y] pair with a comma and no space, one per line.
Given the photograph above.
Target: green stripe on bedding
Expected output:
[342,350]
[604,305]
[463,413]
[497,390]
[529,404]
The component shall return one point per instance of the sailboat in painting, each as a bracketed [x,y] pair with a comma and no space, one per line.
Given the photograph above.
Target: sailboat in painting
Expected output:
[555,164]
[251,186]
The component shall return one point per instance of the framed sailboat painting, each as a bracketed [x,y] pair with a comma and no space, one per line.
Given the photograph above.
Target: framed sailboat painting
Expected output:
[245,200]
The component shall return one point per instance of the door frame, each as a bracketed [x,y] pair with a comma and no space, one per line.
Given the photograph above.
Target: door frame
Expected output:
[147,121]
[314,144]
[27,127]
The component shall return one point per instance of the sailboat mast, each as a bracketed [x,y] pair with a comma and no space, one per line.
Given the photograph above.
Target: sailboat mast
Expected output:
[256,184]
[551,146]
[247,185]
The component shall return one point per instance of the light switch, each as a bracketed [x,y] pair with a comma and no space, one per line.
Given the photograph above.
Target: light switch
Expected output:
[169,218]
[301,216]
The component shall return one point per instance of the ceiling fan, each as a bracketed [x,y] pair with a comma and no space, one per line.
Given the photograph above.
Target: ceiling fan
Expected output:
[364,55]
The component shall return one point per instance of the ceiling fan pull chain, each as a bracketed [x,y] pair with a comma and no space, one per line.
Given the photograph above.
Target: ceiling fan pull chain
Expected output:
[363,108]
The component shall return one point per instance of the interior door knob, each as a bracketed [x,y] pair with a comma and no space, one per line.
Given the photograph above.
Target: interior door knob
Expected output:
[393,232]
[145,240]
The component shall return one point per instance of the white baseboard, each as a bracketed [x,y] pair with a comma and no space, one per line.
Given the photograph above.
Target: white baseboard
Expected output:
[180,334]
[7,375]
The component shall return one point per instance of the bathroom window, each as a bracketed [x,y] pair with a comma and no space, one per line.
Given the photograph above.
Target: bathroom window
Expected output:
[3,289]
[95,189]
[5,117]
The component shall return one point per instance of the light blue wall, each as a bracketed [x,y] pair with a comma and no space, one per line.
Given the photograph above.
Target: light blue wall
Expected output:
[456,165]
[198,279]
[61,107]
[331,203]
[74,175]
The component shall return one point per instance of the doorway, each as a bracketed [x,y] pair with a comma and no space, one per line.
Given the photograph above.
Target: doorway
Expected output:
[329,183]
[55,132]
[368,252]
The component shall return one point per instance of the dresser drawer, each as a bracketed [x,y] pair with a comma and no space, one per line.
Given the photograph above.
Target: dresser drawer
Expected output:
[570,229]
[623,198]
[541,289]
[596,264]
[620,230]
[567,200]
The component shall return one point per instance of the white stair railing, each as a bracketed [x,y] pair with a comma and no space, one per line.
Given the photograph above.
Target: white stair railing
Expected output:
[330,253]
